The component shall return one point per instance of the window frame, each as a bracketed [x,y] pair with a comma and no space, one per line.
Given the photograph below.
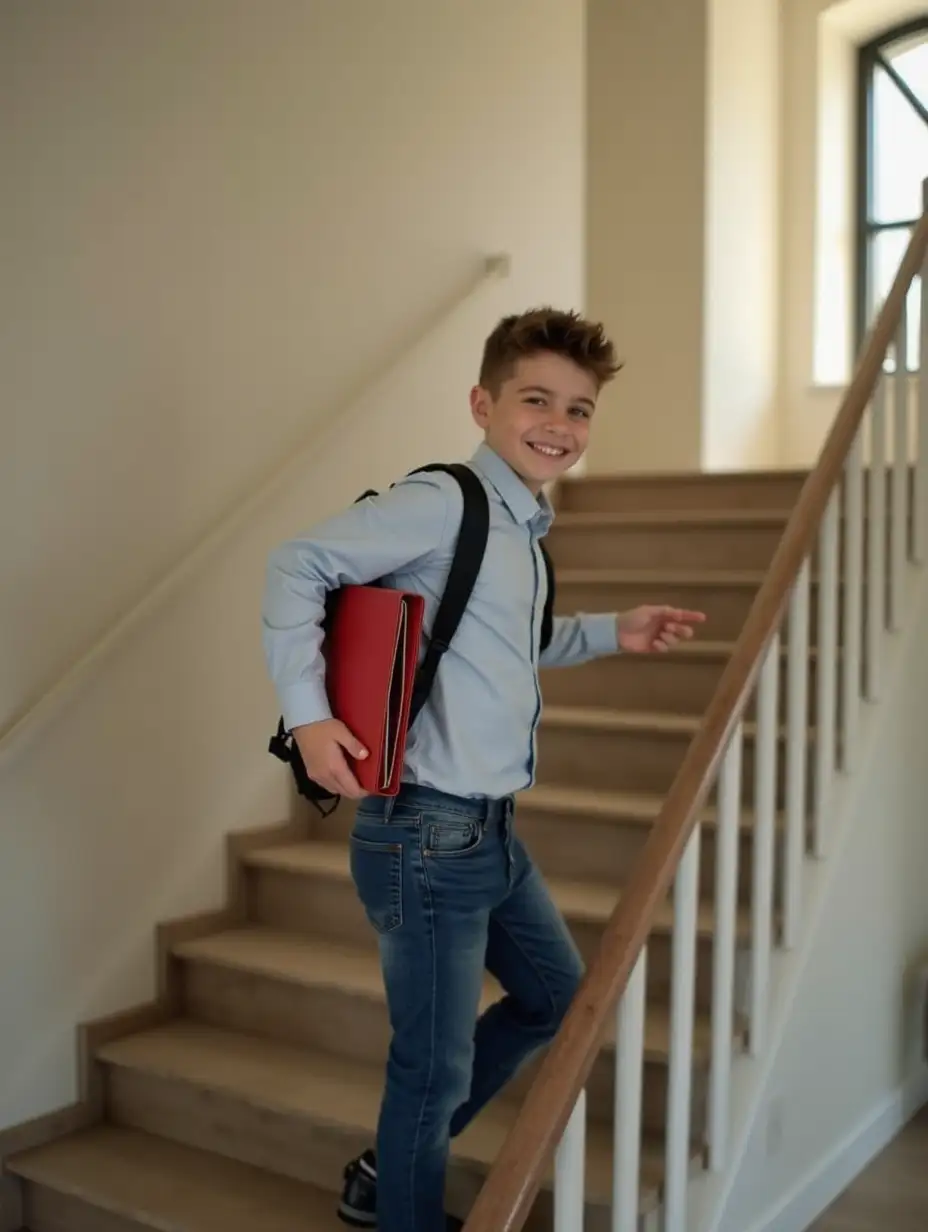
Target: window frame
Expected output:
[869,58]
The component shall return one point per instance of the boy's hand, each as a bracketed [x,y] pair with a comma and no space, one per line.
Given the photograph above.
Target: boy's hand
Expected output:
[646,629]
[323,746]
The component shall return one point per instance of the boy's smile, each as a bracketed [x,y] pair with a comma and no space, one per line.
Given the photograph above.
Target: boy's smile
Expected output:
[539,419]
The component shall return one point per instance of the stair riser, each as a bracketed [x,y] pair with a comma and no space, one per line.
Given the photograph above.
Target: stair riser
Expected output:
[667,684]
[600,1092]
[49,1211]
[636,761]
[684,545]
[726,607]
[605,852]
[645,493]
[671,547]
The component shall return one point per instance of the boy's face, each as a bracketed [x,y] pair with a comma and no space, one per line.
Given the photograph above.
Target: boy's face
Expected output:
[540,421]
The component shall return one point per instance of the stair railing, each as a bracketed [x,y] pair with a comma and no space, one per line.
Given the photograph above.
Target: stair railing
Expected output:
[858,586]
[48,700]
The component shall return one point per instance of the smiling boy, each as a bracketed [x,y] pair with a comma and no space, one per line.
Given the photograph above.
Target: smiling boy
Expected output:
[444,879]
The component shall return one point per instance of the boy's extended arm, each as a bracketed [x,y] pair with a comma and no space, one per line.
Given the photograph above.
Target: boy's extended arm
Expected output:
[377,536]
[577,639]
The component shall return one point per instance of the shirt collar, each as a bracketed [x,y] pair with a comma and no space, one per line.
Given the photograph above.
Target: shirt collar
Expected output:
[520,502]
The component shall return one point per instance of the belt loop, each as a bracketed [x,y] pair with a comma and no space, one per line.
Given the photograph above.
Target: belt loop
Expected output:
[388,806]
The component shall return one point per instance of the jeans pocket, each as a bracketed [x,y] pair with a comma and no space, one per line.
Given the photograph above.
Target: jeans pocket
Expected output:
[452,837]
[377,869]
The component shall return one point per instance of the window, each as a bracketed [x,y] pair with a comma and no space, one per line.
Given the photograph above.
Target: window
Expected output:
[892,162]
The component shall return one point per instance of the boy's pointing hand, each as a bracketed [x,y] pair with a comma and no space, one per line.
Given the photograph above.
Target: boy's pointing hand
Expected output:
[655,628]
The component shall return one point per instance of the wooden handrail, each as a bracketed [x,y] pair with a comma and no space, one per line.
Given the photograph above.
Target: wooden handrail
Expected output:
[505,1200]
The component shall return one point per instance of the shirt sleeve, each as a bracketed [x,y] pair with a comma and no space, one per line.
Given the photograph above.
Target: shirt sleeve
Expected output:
[375,537]
[578,639]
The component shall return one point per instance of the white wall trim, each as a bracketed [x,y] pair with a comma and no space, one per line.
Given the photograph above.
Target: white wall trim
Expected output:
[835,1171]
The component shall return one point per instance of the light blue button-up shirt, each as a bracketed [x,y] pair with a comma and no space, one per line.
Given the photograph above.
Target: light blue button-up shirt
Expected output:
[475,735]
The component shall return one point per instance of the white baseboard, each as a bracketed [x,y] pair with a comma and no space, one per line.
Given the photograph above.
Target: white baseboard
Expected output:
[831,1176]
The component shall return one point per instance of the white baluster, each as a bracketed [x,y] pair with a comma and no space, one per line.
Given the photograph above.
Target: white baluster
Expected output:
[765,820]
[682,1004]
[920,511]
[728,828]
[827,653]
[569,1171]
[797,751]
[898,526]
[853,597]
[876,541]
[629,1074]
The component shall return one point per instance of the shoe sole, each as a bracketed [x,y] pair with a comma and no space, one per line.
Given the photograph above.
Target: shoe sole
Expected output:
[355,1218]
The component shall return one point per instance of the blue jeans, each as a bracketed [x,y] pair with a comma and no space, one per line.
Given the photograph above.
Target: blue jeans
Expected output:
[451,891]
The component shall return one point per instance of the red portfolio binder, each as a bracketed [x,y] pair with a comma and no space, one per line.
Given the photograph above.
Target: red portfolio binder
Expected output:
[372,651]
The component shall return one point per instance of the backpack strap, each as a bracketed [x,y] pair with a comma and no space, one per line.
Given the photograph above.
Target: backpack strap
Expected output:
[547,616]
[465,566]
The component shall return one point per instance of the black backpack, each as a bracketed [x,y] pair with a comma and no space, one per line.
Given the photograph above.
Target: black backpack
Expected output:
[465,566]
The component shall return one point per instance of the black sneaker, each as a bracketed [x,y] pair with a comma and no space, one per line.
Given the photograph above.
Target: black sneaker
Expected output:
[358,1206]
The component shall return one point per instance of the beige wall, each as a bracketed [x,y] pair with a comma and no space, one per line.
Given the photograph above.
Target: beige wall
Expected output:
[683,229]
[740,426]
[223,212]
[646,222]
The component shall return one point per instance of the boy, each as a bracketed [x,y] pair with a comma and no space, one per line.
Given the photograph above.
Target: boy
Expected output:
[446,883]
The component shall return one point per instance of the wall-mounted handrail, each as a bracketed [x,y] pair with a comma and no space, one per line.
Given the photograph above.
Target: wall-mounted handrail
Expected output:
[48,700]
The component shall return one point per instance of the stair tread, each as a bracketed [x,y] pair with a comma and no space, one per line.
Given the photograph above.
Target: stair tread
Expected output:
[661,577]
[166,1186]
[312,961]
[327,1089]
[577,900]
[685,518]
[603,718]
[643,807]
[700,648]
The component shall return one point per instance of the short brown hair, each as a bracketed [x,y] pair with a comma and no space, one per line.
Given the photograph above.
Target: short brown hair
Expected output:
[547,329]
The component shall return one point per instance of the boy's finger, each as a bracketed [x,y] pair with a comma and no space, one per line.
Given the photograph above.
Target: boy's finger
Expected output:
[351,744]
[348,785]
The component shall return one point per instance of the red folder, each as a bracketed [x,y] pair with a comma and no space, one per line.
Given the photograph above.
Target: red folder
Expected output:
[372,651]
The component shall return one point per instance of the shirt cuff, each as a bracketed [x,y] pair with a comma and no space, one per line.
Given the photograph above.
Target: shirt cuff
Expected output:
[306,702]
[602,633]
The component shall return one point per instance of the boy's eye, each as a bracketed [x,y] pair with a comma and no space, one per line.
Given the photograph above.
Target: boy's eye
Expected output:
[582,411]
[535,400]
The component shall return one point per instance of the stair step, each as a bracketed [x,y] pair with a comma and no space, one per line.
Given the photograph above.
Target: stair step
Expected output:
[642,808]
[300,959]
[657,578]
[686,492]
[321,1089]
[151,1183]
[683,518]
[577,900]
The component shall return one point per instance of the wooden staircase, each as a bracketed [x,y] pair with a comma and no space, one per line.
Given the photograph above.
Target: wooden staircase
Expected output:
[258,1073]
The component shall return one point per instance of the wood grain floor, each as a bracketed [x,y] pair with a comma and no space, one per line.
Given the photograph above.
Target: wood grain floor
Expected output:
[892,1194]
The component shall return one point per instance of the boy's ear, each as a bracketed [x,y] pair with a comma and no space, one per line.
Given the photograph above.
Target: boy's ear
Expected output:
[480,404]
